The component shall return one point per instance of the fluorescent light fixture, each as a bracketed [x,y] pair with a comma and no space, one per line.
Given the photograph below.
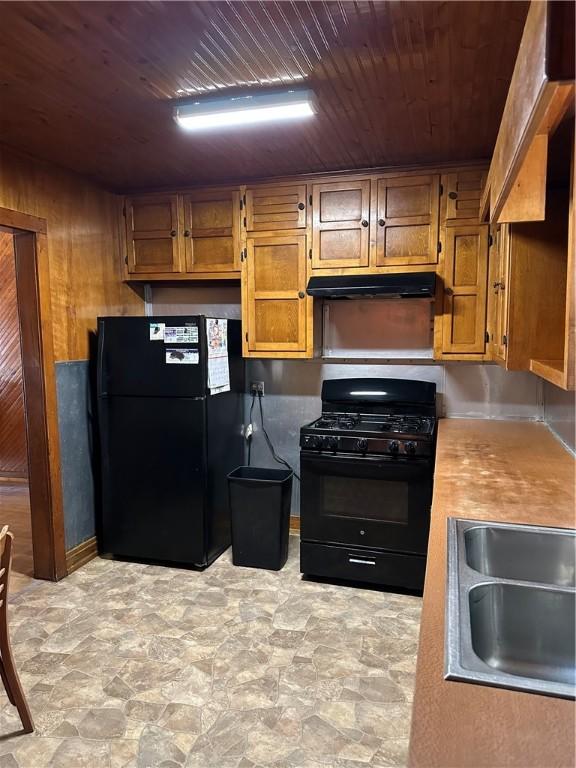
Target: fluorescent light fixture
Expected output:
[250,108]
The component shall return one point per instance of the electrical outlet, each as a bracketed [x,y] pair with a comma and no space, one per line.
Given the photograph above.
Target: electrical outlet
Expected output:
[256,387]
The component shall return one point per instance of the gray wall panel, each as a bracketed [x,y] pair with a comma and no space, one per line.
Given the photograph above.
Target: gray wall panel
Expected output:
[72,382]
[465,390]
[559,414]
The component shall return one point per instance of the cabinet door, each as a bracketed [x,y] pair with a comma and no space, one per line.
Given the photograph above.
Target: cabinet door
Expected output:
[152,234]
[212,231]
[408,213]
[500,288]
[463,192]
[465,278]
[276,293]
[341,217]
[271,208]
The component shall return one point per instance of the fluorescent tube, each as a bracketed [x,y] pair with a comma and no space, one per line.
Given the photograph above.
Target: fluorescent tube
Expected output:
[244,110]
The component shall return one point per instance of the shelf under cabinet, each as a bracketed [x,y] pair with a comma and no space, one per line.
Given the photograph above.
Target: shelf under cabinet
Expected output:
[551,370]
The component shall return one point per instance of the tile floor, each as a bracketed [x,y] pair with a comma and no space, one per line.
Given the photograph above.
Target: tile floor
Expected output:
[136,666]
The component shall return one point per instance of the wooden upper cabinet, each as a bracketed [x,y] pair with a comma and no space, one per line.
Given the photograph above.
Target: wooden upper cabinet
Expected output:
[500,291]
[341,224]
[271,208]
[276,311]
[152,232]
[463,191]
[465,279]
[407,225]
[212,231]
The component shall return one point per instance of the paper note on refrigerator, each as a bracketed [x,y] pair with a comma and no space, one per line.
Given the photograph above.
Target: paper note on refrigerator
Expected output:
[217,344]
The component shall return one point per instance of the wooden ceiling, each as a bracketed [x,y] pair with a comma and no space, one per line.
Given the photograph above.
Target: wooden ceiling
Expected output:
[90,85]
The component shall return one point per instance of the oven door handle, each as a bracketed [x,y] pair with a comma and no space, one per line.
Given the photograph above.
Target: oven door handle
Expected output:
[348,458]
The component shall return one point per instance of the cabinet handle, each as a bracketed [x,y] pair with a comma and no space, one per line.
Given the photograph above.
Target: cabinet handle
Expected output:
[498,285]
[448,291]
[381,223]
[301,295]
[187,233]
[173,233]
[452,195]
[301,206]
[364,223]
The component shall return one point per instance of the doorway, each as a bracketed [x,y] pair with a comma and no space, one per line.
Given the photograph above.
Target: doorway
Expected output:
[30,486]
[14,493]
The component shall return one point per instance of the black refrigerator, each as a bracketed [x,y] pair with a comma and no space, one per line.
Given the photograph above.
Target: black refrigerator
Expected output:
[167,439]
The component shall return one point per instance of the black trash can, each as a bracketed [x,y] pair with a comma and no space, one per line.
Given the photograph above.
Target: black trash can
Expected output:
[260,510]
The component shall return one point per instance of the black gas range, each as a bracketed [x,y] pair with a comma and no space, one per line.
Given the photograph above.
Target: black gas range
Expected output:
[367,468]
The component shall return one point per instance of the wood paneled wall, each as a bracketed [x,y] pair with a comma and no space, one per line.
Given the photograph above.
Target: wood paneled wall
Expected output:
[83,246]
[13,459]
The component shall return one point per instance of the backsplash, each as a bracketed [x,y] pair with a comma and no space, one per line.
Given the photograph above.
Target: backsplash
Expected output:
[559,414]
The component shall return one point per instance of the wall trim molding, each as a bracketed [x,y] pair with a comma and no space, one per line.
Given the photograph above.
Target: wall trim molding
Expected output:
[81,554]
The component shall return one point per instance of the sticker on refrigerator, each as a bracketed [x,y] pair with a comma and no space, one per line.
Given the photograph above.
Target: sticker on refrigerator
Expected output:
[181,334]
[217,342]
[157,331]
[182,356]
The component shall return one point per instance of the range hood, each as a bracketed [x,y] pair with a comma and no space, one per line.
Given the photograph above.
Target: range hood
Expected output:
[409,285]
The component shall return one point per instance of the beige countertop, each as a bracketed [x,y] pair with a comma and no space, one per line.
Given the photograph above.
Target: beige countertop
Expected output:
[505,471]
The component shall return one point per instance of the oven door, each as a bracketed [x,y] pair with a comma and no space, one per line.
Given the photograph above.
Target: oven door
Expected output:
[366,501]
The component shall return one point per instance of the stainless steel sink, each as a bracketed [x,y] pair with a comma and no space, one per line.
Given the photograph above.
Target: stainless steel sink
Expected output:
[511,606]
[544,555]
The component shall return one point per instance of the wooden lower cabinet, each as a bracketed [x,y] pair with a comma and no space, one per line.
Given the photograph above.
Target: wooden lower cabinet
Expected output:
[465,286]
[276,309]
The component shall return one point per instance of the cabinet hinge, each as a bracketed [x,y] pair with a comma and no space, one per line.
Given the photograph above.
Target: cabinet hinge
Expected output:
[310,199]
[441,189]
[505,340]
[310,253]
[124,211]
[241,204]
[245,254]
[244,198]
[244,222]
[486,337]
[439,247]
[490,241]
[126,259]
[246,335]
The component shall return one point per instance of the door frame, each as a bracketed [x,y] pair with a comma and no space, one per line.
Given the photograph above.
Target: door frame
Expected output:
[30,235]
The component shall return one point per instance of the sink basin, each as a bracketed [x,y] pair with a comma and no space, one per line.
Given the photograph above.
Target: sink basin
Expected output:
[524,630]
[511,607]
[547,557]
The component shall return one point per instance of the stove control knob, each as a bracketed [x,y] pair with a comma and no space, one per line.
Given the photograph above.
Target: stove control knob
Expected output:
[361,444]
[393,446]
[313,441]
[410,448]
[330,443]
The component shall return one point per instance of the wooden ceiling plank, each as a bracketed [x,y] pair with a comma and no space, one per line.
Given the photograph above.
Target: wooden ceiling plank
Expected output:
[88,85]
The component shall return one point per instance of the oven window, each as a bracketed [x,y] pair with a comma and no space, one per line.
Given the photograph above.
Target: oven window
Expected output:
[365,498]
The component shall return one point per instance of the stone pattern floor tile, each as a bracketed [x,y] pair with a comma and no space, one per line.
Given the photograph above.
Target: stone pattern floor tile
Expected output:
[140,666]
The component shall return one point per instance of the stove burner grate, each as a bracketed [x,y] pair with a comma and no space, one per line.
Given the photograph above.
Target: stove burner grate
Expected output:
[348,421]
